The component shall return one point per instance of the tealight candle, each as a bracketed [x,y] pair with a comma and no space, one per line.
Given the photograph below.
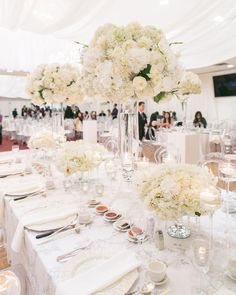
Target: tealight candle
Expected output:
[209,197]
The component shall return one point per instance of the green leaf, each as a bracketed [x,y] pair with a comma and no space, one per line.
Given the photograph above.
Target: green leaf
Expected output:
[159,96]
[145,72]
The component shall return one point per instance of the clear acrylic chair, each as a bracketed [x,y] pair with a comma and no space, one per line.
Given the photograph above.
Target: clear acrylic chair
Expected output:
[167,154]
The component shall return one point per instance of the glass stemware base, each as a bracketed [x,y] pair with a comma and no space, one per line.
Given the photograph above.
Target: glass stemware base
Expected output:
[178,231]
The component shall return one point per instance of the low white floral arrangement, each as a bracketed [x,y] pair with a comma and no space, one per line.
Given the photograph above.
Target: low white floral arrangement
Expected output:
[42,140]
[55,83]
[78,156]
[189,84]
[172,190]
[130,62]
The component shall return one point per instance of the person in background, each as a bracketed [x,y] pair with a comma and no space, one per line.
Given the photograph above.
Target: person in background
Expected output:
[0,129]
[174,117]
[109,114]
[166,122]
[199,120]
[142,119]
[102,114]
[93,115]
[154,120]
[114,112]
[14,113]
[69,113]
[86,115]
[79,126]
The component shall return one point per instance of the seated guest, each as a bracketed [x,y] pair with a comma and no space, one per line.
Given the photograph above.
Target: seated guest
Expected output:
[199,120]
[155,120]
[69,113]
[93,115]
[166,122]
[79,125]
[142,119]
[102,114]
[174,117]
[86,115]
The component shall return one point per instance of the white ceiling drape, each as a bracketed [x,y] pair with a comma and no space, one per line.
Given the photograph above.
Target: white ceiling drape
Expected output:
[207,28]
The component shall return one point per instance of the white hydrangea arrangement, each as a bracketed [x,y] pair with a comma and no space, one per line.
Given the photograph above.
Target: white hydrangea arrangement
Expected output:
[171,190]
[78,156]
[190,84]
[129,62]
[54,83]
[42,140]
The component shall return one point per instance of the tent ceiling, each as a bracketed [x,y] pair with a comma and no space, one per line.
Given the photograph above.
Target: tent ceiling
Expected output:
[43,31]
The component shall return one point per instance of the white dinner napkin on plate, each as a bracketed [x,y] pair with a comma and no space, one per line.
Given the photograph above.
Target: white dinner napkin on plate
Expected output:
[40,217]
[100,277]
[6,170]
[6,159]
[24,188]
[224,291]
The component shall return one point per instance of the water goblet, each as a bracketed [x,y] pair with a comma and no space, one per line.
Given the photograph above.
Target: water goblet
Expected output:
[99,189]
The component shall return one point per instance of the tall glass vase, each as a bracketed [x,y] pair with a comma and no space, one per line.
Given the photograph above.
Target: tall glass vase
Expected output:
[128,131]
[128,139]
[58,120]
[184,113]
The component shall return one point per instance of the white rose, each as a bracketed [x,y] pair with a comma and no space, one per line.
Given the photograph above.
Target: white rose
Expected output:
[137,59]
[139,83]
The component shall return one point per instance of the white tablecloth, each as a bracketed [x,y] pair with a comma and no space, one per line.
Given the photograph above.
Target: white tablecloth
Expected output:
[191,146]
[42,269]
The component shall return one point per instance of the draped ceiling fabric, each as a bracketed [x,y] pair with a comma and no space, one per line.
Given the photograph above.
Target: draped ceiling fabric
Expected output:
[207,28]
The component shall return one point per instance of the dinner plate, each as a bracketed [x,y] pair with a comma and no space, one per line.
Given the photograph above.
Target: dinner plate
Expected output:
[90,259]
[52,225]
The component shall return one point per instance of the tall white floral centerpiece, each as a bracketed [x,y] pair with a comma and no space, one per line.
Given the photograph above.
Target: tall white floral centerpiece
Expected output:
[172,190]
[129,63]
[189,84]
[55,84]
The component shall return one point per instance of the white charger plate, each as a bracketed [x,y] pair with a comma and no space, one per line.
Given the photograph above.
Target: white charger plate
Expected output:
[90,259]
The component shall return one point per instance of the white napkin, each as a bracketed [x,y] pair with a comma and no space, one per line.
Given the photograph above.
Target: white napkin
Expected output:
[25,188]
[224,291]
[6,159]
[41,217]
[100,277]
[11,170]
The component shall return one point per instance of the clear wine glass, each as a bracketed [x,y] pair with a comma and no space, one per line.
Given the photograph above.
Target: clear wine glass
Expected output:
[9,283]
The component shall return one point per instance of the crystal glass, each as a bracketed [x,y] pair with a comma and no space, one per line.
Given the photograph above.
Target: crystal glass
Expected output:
[99,189]
[201,260]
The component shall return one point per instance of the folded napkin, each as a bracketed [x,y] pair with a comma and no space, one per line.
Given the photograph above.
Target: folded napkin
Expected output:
[24,189]
[40,217]
[100,277]
[6,170]
[224,291]
[6,159]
